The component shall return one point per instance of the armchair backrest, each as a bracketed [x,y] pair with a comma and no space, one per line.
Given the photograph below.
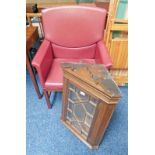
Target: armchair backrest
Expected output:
[73,26]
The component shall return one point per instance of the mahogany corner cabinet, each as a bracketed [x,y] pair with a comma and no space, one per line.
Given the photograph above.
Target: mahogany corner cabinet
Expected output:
[89,99]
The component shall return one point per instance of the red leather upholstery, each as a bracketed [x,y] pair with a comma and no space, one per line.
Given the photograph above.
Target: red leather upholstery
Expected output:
[72,34]
[77,53]
[73,26]
[101,56]
[43,61]
[54,80]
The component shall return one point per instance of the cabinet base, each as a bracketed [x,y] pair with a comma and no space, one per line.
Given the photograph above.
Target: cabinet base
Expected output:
[79,136]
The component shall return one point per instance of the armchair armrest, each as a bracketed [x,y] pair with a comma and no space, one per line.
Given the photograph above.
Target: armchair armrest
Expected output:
[102,56]
[43,60]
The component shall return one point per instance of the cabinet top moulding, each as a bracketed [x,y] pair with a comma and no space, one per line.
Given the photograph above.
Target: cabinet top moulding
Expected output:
[96,78]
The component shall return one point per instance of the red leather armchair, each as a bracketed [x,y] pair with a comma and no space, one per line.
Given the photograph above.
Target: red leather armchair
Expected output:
[72,34]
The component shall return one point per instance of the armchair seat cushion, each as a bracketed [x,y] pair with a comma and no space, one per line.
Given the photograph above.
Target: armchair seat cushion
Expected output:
[54,79]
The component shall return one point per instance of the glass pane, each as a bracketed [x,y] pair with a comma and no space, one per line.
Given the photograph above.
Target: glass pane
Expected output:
[70,105]
[90,108]
[72,95]
[71,86]
[94,100]
[77,95]
[80,109]
[82,95]
[88,120]
[79,112]
[85,129]
[69,115]
[77,126]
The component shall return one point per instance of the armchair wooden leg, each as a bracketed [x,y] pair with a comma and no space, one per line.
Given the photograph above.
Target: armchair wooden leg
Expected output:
[32,76]
[54,97]
[47,97]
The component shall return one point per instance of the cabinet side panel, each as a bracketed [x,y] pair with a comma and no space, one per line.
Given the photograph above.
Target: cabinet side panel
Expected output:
[100,123]
[105,119]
